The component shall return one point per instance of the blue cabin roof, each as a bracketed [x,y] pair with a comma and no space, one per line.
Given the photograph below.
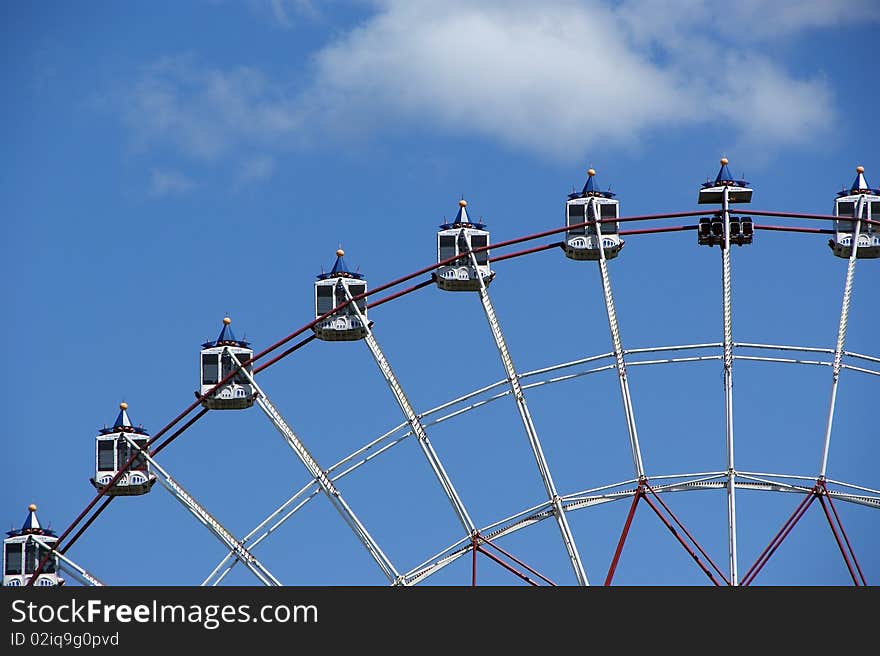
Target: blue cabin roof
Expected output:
[725,178]
[462,219]
[31,525]
[122,422]
[340,269]
[859,186]
[591,188]
[226,337]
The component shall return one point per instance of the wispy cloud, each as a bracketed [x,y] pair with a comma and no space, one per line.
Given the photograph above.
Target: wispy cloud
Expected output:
[255,169]
[204,112]
[554,78]
[166,183]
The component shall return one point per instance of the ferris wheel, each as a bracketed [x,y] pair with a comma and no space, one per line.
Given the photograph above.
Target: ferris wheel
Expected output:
[128,460]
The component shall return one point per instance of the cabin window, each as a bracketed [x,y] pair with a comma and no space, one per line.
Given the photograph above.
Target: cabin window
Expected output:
[608,211]
[105,456]
[845,208]
[225,365]
[33,554]
[210,369]
[591,216]
[140,463]
[31,557]
[875,212]
[340,298]
[447,247]
[324,296]
[13,558]
[478,241]
[51,565]
[123,452]
[359,289]
[240,378]
[575,216]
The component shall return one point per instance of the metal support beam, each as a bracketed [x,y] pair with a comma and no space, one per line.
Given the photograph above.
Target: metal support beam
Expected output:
[327,486]
[414,422]
[728,386]
[206,518]
[841,334]
[67,565]
[528,424]
[618,351]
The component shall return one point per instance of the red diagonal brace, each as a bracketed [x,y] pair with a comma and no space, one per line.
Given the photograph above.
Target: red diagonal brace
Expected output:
[515,559]
[846,539]
[640,491]
[683,543]
[822,493]
[771,548]
[506,566]
[477,540]
[686,532]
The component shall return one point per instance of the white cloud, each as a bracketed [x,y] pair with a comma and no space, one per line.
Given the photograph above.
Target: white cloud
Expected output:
[555,77]
[204,113]
[284,11]
[165,183]
[255,169]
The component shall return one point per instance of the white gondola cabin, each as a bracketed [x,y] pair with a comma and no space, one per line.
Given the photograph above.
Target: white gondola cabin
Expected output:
[710,230]
[456,239]
[344,325]
[113,451]
[217,363]
[863,202]
[582,242]
[23,551]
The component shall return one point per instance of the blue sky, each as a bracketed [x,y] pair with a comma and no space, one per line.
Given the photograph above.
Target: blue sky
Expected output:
[172,163]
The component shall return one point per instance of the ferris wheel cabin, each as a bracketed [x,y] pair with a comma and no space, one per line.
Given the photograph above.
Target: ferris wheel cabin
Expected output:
[710,230]
[217,363]
[112,451]
[459,238]
[344,325]
[582,242]
[22,554]
[860,201]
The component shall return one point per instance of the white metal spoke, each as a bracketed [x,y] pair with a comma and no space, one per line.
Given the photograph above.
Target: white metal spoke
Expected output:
[528,424]
[199,512]
[841,333]
[617,345]
[67,565]
[728,385]
[327,486]
[414,421]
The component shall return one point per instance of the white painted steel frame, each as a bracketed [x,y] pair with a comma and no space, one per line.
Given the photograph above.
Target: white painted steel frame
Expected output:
[210,522]
[528,424]
[326,485]
[728,386]
[841,334]
[414,421]
[392,437]
[617,345]
[541,512]
[67,565]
